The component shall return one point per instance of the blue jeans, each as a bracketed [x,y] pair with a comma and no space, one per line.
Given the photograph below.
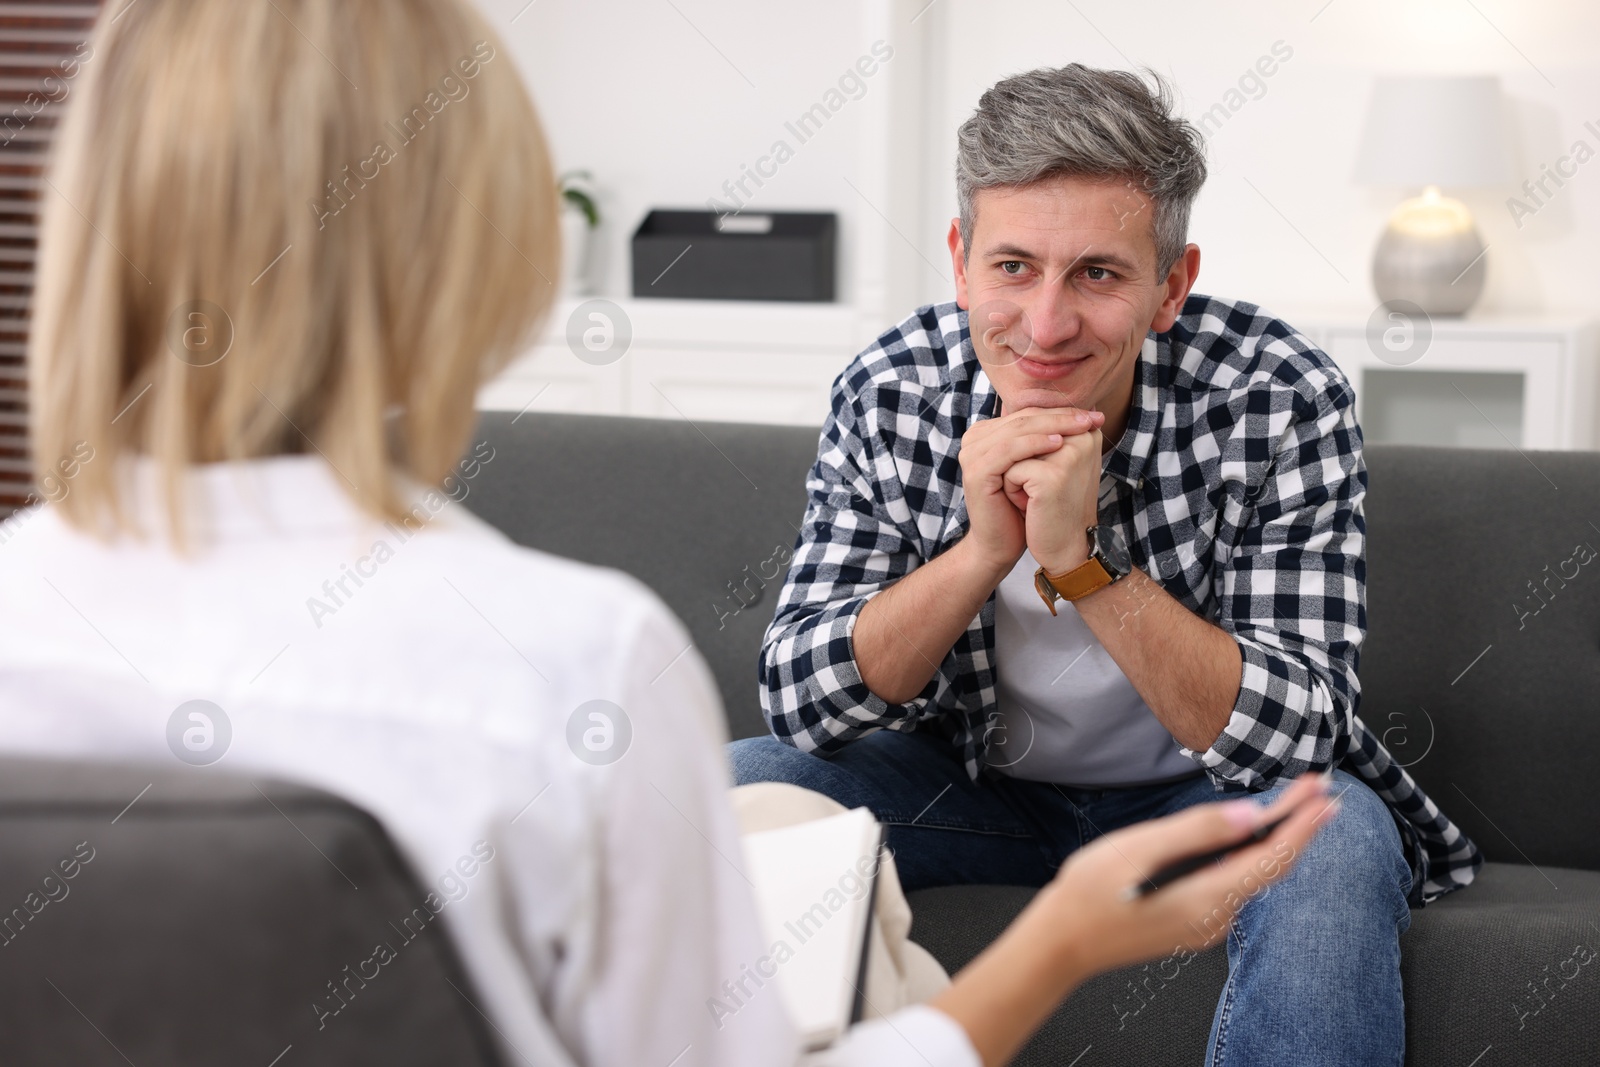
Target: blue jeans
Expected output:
[1313,962]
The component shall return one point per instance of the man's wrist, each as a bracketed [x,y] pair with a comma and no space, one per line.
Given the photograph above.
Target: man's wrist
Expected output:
[985,569]
[1062,560]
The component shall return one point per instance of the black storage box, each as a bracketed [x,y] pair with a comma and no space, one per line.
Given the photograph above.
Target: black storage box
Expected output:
[769,255]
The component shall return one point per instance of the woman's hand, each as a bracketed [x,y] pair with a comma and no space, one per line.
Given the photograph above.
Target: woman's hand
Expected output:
[1197,909]
[1082,923]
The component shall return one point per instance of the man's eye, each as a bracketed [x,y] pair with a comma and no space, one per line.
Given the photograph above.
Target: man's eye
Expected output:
[1012,266]
[1097,274]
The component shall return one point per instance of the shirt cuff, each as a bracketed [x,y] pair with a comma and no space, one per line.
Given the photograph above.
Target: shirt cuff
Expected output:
[918,1036]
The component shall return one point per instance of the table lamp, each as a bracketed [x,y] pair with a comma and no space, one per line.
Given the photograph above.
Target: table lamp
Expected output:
[1432,132]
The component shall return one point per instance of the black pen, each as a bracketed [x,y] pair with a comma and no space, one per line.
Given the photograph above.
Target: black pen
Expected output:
[1178,868]
[1189,864]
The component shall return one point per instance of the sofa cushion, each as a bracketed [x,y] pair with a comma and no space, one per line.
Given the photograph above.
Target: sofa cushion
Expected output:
[201,923]
[1476,966]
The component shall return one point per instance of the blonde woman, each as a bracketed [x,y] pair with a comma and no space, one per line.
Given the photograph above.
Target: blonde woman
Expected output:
[284,243]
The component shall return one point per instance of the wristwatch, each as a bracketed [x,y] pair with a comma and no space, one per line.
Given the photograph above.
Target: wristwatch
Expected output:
[1108,562]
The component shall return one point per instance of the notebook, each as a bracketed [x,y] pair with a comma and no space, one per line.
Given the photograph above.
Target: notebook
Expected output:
[815,883]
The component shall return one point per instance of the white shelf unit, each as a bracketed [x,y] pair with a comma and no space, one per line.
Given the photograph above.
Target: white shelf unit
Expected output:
[728,361]
[737,360]
[1495,381]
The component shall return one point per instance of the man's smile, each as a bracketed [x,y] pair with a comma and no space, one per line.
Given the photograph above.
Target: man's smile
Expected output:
[1052,369]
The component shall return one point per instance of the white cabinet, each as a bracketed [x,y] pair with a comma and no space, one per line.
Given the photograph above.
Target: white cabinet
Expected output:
[1481,381]
[728,361]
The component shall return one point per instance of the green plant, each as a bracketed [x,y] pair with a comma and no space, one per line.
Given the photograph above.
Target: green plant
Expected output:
[576,189]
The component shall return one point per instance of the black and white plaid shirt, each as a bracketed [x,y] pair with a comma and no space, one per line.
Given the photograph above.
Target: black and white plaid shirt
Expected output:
[1238,486]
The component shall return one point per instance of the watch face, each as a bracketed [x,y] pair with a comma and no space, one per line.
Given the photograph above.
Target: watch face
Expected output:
[1112,550]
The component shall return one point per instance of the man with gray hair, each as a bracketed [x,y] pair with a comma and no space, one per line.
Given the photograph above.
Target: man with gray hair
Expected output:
[1083,549]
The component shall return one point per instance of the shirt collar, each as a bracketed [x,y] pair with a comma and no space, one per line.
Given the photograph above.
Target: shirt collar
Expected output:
[1127,460]
[264,498]
[967,377]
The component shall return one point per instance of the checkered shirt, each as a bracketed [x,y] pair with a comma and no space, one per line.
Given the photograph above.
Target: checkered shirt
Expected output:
[1238,486]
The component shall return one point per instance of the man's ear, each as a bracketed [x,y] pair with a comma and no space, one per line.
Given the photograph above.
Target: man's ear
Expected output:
[1180,279]
[958,262]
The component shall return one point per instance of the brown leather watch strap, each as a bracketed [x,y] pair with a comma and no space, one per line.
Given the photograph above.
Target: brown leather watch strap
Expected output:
[1077,583]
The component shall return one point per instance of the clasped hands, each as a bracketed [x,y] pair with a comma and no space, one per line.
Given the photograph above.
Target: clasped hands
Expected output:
[1032,481]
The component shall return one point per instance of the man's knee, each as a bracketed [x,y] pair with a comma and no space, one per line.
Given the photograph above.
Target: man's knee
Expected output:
[1357,860]
[892,773]
[1363,832]
[766,759]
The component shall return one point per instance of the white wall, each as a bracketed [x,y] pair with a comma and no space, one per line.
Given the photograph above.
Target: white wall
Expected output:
[666,100]
[646,94]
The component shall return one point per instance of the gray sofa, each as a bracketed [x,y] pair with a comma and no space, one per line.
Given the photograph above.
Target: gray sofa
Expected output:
[197,930]
[1497,712]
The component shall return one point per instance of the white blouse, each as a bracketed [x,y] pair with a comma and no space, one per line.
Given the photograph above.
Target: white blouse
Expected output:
[440,677]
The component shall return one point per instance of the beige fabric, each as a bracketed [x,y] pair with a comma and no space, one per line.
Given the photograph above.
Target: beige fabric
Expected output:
[899,971]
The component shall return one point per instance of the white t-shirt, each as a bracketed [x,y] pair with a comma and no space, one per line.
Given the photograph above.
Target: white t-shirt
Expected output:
[431,676]
[1066,712]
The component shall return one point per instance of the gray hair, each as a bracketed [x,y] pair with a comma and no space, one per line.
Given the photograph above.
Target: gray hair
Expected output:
[1082,122]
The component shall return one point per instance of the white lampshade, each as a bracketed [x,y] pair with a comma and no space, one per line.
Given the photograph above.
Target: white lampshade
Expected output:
[1448,131]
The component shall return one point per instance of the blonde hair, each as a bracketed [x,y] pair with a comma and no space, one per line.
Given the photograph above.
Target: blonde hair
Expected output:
[284,226]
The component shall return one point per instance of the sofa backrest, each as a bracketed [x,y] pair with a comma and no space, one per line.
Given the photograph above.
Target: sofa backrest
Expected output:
[1481,665]
[1492,706]
[699,512]
[187,917]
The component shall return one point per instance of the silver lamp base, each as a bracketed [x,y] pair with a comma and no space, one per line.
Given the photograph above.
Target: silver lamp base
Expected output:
[1431,255]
